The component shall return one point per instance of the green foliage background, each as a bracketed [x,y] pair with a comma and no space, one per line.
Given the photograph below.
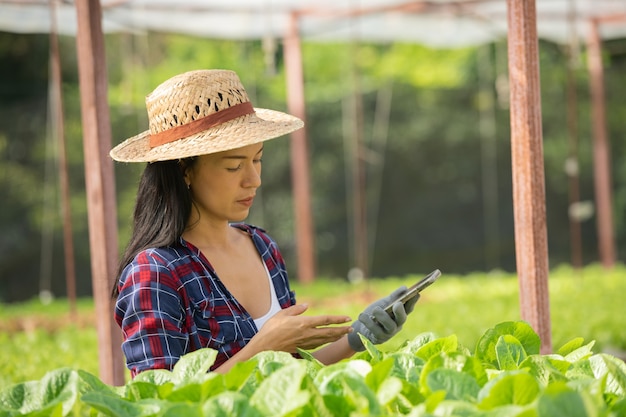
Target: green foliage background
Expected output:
[429,184]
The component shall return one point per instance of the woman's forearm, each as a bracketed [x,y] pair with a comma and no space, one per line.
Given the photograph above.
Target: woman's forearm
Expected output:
[334,352]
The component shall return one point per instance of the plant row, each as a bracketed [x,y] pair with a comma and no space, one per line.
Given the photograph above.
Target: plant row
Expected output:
[428,376]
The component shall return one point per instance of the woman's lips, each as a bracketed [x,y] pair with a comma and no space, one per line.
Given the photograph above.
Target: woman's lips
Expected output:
[246,201]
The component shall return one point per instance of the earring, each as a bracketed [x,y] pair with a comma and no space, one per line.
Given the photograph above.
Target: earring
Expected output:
[189,186]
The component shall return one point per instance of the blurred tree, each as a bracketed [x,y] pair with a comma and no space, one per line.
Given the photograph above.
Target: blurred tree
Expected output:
[425,182]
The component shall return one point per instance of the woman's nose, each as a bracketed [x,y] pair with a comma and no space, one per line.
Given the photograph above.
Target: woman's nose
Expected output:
[253,176]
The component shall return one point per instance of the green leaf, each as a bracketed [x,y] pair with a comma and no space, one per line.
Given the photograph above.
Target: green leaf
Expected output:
[406,366]
[570,346]
[412,346]
[281,393]
[433,400]
[182,409]
[508,388]
[194,366]
[509,353]
[457,385]
[558,362]
[268,362]
[112,405]
[615,370]
[454,361]
[375,354]
[16,397]
[580,370]
[389,391]
[543,369]
[456,408]
[306,355]
[435,347]
[229,404]
[90,382]
[51,410]
[155,376]
[558,400]
[381,381]
[197,392]
[243,377]
[581,353]
[191,392]
[618,408]
[344,389]
[138,390]
[57,390]
[148,384]
[473,367]
[380,371]
[486,345]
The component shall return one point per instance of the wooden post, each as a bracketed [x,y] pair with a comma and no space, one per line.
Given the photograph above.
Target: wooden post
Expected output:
[299,155]
[64,182]
[528,172]
[99,177]
[601,152]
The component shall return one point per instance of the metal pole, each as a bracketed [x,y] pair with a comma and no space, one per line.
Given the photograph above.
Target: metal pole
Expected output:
[528,172]
[601,151]
[101,203]
[299,155]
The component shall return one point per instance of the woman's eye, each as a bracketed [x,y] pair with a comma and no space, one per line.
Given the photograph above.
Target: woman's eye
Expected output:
[258,161]
[237,168]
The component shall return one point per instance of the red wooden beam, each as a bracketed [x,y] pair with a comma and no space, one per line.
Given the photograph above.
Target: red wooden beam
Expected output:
[64,182]
[101,202]
[601,151]
[299,155]
[531,246]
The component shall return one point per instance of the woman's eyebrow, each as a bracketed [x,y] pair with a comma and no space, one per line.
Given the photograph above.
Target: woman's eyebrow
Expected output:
[240,156]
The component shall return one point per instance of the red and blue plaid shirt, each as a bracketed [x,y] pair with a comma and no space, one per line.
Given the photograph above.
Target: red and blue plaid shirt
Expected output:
[171,302]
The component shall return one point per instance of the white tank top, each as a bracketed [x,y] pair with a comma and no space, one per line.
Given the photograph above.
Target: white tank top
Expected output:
[274,305]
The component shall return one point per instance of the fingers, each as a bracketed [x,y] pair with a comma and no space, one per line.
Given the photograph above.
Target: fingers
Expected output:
[399,312]
[383,302]
[322,335]
[313,321]
[397,293]
[379,324]
[327,320]
[410,305]
[294,310]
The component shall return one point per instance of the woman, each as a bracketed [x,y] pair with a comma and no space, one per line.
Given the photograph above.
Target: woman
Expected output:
[193,275]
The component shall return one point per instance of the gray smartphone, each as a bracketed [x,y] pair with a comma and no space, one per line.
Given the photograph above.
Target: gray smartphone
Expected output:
[413,291]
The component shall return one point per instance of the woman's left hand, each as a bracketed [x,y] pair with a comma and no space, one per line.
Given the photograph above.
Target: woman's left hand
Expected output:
[288,330]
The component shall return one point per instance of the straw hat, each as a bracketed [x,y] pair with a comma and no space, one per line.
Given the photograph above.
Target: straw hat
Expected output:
[201,112]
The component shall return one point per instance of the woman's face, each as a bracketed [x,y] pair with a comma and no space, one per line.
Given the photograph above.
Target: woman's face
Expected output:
[223,185]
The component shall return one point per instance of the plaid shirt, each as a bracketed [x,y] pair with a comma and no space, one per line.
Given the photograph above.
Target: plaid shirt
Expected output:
[171,302]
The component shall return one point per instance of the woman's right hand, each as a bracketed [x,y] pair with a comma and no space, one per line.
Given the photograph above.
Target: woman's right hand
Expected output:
[288,330]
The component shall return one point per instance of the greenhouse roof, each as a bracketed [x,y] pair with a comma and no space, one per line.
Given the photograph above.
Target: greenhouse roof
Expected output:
[436,23]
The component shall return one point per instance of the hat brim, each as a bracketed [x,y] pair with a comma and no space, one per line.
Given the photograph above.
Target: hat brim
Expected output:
[246,130]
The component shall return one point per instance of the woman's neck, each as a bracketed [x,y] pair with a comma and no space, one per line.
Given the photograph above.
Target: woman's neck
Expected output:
[207,235]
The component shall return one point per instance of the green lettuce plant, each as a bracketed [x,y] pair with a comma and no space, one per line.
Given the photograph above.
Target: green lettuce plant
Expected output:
[505,376]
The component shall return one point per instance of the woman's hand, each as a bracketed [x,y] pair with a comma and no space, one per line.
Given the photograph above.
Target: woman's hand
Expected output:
[289,329]
[377,325]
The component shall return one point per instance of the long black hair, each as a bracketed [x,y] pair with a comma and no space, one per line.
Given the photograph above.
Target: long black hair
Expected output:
[161,211]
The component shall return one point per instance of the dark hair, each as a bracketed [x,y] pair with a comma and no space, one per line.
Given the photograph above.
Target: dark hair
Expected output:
[162,209]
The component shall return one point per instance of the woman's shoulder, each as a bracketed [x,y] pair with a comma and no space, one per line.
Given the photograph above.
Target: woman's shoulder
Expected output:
[175,253]
[173,264]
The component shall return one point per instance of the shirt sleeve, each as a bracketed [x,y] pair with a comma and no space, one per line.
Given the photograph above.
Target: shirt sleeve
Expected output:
[151,315]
